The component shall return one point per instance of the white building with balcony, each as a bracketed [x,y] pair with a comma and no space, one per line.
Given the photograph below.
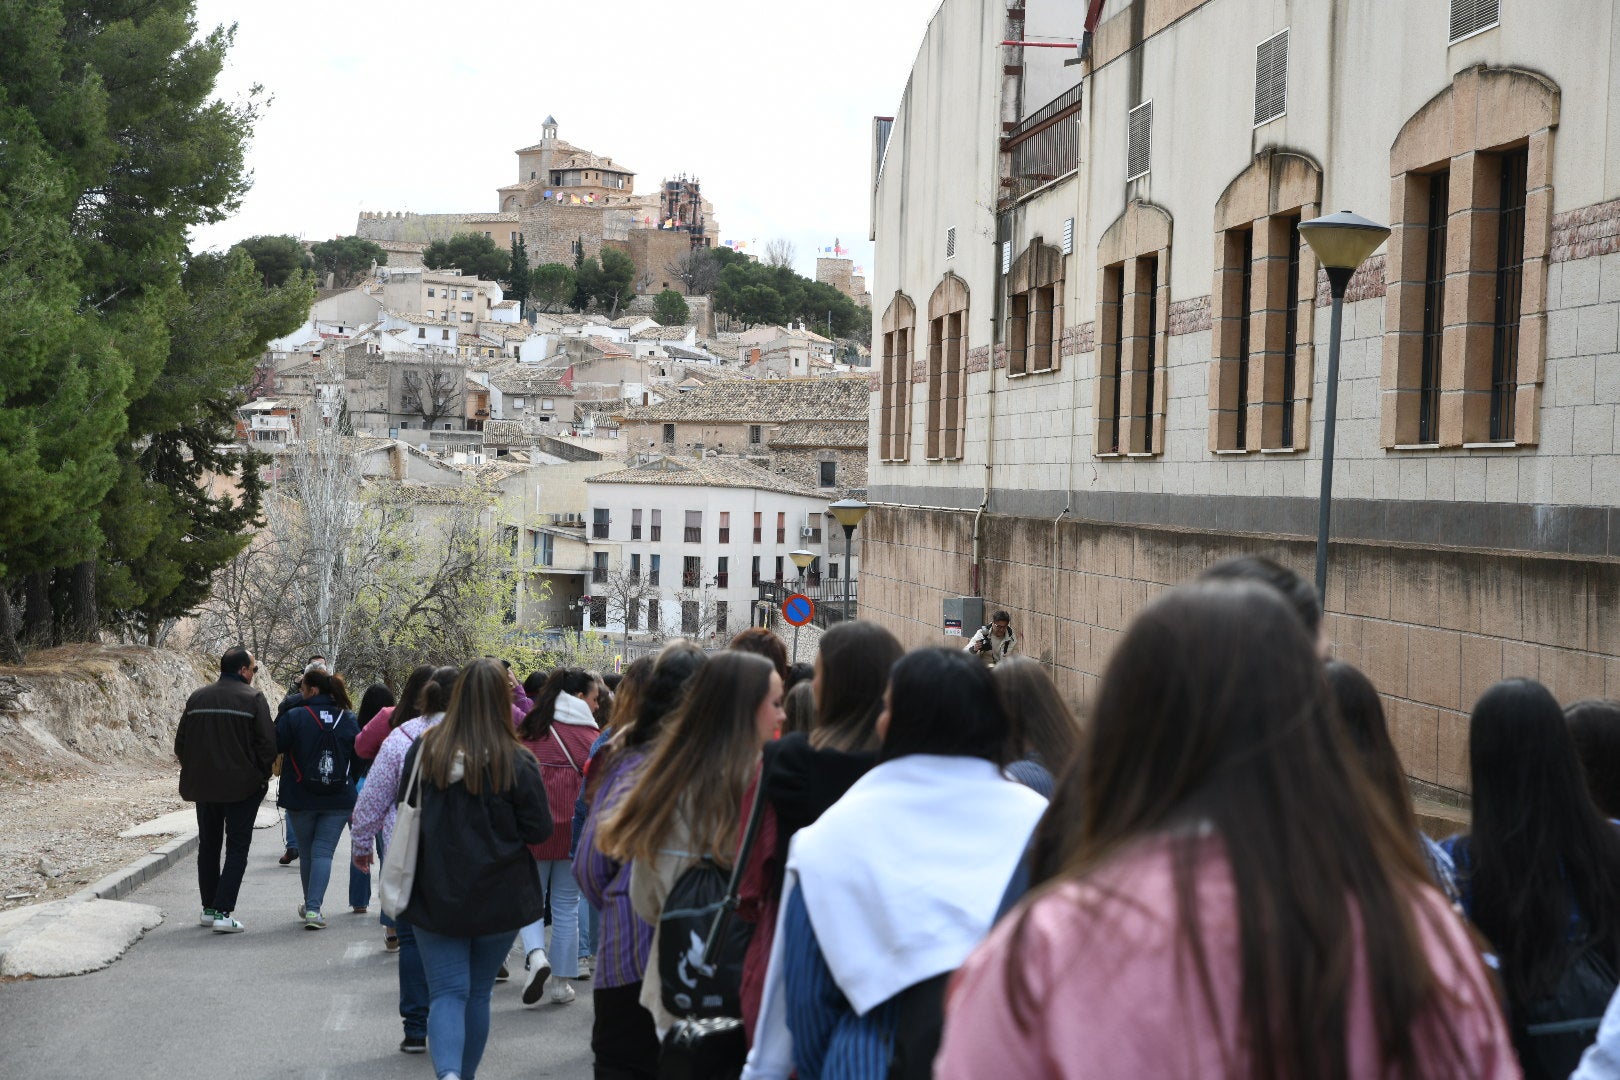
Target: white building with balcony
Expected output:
[703,534]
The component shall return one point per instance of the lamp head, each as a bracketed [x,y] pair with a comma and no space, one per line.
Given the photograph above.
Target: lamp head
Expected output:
[1342,241]
[849,512]
[802,558]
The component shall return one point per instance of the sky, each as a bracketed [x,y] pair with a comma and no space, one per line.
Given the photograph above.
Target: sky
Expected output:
[409,105]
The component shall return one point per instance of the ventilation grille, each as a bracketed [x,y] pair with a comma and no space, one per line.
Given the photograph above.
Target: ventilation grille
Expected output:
[1472,16]
[950,242]
[1271,78]
[1139,152]
[1006,256]
[1068,236]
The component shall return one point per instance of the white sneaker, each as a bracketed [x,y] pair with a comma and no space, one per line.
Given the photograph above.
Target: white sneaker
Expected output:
[539,975]
[227,925]
[586,966]
[207,917]
[561,991]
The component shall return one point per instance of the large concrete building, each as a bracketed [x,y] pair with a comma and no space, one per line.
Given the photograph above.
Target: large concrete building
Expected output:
[1103,346]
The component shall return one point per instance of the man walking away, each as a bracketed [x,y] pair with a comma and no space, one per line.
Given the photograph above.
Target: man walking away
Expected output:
[226,744]
[994,642]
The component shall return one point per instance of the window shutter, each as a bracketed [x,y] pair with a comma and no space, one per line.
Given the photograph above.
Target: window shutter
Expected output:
[1068,236]
[1271,78]
[1139,152]
[950,242]
[1472,16]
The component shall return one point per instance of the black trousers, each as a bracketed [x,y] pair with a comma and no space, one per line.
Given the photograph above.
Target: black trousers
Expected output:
[227,824]
[623,1037]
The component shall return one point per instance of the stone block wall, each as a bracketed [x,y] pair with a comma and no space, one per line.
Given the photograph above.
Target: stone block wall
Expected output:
[1432,628]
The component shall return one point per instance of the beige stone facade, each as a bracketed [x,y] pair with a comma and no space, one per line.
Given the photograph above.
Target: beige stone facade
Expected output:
[1162,406]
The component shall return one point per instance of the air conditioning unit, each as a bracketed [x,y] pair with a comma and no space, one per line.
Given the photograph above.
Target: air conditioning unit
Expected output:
[805,532]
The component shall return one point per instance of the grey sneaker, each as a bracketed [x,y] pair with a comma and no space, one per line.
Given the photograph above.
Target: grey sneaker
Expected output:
[314,921]
[227,925]
[300,911]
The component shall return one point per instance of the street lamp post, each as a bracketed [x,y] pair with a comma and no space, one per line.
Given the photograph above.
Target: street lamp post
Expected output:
[849,513]
[802,559]
[1342,242]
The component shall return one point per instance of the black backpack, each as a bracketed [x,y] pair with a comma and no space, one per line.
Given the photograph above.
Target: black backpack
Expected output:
[691,987]
[324,768]
[1552,1033]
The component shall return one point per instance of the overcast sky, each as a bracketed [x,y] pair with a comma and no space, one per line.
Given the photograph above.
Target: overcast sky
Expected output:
[409,105]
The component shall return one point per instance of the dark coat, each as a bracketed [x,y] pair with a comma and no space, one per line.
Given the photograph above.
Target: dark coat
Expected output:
[474,873]
[298,735]
[225,743]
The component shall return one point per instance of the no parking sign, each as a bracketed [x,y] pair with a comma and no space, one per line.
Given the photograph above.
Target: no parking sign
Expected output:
[798,609]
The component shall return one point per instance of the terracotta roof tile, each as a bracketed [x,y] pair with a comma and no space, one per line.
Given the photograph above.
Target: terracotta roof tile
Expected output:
[764,401]
[707,472]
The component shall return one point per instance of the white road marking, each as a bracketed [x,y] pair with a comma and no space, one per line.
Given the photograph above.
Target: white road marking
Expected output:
[341,1016]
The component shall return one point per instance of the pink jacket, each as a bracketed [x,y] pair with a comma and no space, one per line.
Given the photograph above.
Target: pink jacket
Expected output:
[1114,996]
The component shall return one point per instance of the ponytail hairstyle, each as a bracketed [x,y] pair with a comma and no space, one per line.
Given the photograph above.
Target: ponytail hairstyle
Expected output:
[537,725]
[435,695]
[330,685]
[407,709]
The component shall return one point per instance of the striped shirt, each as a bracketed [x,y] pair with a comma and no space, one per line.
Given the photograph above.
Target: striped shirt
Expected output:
[625,940]
[828,1038]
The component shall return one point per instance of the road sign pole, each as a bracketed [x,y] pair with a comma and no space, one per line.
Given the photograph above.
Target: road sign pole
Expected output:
[795,644]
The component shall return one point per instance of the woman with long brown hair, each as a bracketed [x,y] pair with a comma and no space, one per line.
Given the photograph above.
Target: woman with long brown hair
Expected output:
[685,807]
[1219,892]
[481,803]
[624,1041]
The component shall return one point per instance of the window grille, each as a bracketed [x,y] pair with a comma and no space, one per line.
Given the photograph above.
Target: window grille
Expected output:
[1271,78]
[950,242]
[1139,149]
[1068,236]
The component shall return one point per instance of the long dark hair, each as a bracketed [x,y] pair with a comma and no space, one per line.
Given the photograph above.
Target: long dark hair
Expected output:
[626,701]
[477,724]
[434,696]
[1594,724]
[537,725]
[1212,725]
[855,658]
[376,698]
[761,642]
[409,707]
[1032,703]
[1361,714]
[1538,852]
[942,702]
[699,772]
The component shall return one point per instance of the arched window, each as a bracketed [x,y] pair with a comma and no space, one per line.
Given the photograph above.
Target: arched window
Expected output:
[1471,211]
[1133,332]
[947,380]
[894,410]
[1035,310]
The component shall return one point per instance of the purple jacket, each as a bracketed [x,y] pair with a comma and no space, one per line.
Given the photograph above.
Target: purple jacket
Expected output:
[625,941]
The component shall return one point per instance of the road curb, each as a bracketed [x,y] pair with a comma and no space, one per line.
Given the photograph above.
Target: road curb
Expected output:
[121,883]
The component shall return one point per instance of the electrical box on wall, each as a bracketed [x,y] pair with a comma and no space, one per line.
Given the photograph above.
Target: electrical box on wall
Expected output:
[963,615]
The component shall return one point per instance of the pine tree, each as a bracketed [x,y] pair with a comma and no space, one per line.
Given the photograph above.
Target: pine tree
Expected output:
[516,282]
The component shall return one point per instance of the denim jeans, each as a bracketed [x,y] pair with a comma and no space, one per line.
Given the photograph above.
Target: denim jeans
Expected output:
[290,837]
[360,884]
[590,927]
[460,977]
[557,879]
[318,832]
[413,984]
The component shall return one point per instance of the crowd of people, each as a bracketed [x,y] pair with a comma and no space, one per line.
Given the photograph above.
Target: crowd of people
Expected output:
[937,869]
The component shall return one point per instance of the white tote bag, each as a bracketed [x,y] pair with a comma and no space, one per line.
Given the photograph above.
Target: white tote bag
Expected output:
[399,865]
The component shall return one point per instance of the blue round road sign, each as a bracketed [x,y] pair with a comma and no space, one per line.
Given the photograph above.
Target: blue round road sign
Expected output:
[798,609]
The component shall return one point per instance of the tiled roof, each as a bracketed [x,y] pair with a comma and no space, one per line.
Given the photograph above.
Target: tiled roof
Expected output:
[766,401]
[820,434]
[624,322]
[607,347]
[662,333]
[517,378]
[419,318]
[707,472]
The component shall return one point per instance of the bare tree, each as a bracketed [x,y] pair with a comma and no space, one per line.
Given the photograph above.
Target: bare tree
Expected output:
[780,252]
[433,388]
[696,269]
[700,612]
[625,594]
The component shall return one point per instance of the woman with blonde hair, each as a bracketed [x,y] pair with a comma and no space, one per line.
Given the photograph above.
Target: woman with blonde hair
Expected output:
[684,808]
[481,804]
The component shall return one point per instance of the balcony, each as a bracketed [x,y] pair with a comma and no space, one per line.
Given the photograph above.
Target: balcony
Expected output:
[722,581]
[599,530]
[599,575]
[656,533]
[694,535]
[725,536]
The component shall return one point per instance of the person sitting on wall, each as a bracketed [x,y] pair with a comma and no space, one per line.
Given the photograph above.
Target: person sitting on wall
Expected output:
[995,641]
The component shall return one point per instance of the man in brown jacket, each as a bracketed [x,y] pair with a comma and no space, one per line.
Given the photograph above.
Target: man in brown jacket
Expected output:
[226,744]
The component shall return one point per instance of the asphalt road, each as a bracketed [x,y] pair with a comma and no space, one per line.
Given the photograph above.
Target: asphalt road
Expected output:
[276,1001]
